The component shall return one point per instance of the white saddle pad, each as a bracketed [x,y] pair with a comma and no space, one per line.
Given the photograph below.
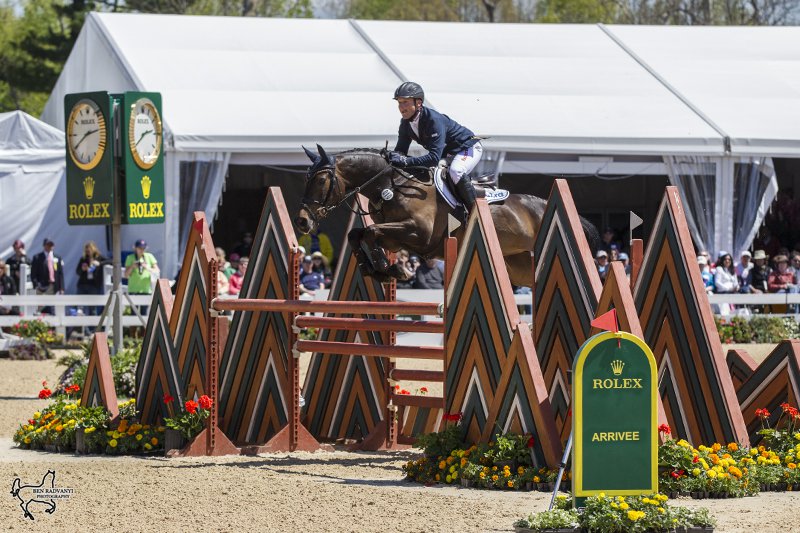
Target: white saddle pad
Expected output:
[492,195]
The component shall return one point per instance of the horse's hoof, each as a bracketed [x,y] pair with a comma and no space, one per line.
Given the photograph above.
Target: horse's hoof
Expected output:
[50,511]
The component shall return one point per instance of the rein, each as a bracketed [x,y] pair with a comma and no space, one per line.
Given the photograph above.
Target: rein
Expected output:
[330,170]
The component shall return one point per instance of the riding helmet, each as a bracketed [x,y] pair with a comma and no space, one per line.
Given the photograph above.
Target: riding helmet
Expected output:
[409,89]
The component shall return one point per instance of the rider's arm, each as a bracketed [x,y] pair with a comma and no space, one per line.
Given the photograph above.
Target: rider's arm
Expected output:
[403,139]
[435,147]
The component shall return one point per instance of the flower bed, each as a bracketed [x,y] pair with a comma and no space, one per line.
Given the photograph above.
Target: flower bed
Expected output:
[603,514]
[56,427]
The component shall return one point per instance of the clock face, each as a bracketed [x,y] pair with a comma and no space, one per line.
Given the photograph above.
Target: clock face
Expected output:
[144,133]
[86,134]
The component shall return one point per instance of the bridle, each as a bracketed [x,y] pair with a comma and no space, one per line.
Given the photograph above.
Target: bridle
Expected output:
[324,208]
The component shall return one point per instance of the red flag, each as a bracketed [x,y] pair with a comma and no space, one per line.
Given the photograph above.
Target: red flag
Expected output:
[607,321]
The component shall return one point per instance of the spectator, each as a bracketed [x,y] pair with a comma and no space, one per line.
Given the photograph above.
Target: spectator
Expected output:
[47,272]
[706,274]
[602,264]
[781,279]
[15,260]
[743,271]
[794,266]
[725,281]
[141,269]
[613,253]
[90,275]
[9,287]
[623,257]
[429,275]
[320,264]
[759,274]
[404,262]
[223,265]
[243,248]
[317,241]
[705,254]
[310,280]
[608,240]
[223,286]
[237,278]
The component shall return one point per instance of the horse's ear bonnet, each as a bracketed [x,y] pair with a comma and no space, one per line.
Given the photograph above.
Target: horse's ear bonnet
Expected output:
[311,155]
[324,159]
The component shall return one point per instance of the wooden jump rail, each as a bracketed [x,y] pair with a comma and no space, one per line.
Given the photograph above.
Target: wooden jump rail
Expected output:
[372,350]
[368,324]
[307,306]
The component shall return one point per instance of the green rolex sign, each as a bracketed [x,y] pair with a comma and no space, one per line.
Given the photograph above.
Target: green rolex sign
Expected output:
[615,409]
[88,119]
[143,158]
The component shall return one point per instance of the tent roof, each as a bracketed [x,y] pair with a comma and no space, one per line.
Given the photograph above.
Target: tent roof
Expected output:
[267,85]
[29,144]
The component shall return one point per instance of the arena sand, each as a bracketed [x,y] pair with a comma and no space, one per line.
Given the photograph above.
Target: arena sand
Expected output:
[303,492]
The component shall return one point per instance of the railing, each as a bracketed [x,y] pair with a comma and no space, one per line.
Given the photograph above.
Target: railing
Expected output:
[29,305]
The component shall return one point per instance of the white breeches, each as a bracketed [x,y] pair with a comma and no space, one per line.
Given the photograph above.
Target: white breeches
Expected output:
[465,161]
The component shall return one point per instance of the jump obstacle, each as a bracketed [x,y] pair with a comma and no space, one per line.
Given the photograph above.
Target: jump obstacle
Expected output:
[494,372]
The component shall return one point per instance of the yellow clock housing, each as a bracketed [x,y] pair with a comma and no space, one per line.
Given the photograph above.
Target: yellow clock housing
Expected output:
[144,133]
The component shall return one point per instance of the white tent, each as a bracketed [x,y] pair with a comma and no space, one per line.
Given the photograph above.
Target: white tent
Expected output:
[33,192]
[574,99]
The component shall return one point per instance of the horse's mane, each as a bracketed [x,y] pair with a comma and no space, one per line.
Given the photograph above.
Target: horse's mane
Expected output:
[370,151]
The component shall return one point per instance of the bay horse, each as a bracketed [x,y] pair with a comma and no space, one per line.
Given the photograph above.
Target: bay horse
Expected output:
[409,213]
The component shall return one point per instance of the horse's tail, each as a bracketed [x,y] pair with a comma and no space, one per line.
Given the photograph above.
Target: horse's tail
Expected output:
[592,235]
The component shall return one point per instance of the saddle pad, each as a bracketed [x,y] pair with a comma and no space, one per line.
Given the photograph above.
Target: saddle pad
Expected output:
[443,187]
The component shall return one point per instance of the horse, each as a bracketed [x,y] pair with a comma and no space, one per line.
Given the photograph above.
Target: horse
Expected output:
[25,501]
[409,213]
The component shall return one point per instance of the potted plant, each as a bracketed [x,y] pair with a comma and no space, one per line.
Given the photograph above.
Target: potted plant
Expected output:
[469,472]
[185,425]
[554,521]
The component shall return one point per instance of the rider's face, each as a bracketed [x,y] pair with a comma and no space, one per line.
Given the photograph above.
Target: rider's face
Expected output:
[408,107]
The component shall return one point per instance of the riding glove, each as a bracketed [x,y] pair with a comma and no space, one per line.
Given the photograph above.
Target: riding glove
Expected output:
[397,159]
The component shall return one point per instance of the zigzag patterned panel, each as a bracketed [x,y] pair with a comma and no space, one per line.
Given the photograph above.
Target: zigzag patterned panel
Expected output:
[741,366]
[566,292]
[775,381]
[189,322]
[254,368]
[695,385]
[492,375]
[157,373]
[98,387]
[345,395]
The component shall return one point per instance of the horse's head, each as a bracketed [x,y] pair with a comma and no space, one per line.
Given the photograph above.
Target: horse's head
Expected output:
[322,190]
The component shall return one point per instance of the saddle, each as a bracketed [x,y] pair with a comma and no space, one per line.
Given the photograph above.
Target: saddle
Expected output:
[485,187]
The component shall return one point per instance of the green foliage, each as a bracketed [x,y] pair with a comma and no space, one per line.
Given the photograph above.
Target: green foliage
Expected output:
[442,443]
[191,420]
[123,367]
[759,329]
[555,519]
[511,447]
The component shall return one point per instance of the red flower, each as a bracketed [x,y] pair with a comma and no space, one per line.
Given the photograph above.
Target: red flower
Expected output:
[168,399]
[397,387]
[762,413]
[72,388]
[786,407]
[206,402]
[31,421]
[45,393]
[531,442]
[404,391]
[664,428]
[696,459]
[455,417]
[191,406]
[424,390]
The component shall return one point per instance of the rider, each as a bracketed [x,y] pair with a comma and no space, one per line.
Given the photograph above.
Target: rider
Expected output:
[440,135]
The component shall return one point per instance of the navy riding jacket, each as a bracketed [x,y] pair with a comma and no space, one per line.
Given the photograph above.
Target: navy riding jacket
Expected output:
[438,133]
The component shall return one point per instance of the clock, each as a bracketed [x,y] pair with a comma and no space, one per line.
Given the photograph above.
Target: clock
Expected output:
[86,134]
[144,133]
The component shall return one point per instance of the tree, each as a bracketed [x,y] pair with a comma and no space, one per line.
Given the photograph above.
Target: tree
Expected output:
[435,10]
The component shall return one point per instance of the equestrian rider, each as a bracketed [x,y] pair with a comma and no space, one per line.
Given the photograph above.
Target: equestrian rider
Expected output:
[440,135]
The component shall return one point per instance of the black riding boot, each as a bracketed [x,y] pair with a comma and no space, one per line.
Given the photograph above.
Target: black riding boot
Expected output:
[467,193]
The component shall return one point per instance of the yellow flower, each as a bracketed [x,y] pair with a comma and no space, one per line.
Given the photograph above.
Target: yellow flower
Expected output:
[614,506]
[661,510]
[447,479]
[753,451]
[442,465]
[624,506]
[510,484]
[59,428]
[483,475]
[138,437]
[684,444]
[494,468]
[494,477]
[452,469]
[109,433]
[633,516]
[520,470]
[90,429]
[601,495]
[792,466]
[147,446]
[716,447]
[437,477]
[712,473]
[113,443]
[154,441]
[27,440]
[733,446]
[537,479]
[696,472]
[37,415]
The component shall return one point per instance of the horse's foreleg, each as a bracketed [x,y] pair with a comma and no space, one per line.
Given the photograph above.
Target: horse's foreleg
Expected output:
[24,507]
[390,236]
[354,239]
